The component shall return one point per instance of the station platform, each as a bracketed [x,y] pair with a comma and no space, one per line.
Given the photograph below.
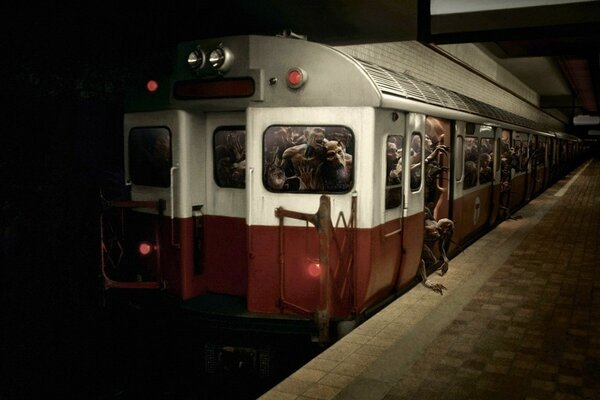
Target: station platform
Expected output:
[520,318]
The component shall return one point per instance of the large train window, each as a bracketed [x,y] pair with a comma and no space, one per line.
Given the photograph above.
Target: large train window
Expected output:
[415,161]
[150,156]
[393,172]
[229,155]
[308,159]
[471,162]
[486,167]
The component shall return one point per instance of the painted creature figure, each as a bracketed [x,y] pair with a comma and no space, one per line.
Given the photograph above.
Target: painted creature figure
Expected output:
[441,232]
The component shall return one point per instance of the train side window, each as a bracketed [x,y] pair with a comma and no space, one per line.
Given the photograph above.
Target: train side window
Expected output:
[505,152]
[229,155]
[533,149]
[520,151]
[486,167]
[541,156]
[308,159]
[393,172]
[458,156]
[415,154]
[497,154]
[150,156]
[471,162]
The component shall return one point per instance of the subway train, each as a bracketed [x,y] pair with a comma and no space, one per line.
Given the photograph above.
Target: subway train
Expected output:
[280,185]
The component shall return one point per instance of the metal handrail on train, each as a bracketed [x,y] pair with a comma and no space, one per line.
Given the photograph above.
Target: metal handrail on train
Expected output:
[322,221]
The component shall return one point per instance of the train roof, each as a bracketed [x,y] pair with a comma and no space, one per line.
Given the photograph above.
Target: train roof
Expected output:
[336,79]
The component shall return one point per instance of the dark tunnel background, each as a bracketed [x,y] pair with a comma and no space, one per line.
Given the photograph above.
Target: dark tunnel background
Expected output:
[66,71]
[61,149]
[61,145]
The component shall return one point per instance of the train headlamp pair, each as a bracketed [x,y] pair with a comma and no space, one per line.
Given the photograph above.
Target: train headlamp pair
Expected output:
[219,59]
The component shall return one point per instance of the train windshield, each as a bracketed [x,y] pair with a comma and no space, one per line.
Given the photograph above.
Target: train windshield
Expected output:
[150,156]
[308,159]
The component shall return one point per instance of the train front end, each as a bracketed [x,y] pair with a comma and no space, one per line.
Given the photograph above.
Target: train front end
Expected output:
[227,218]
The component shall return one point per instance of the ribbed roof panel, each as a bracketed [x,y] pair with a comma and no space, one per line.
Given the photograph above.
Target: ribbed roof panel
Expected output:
[403,85]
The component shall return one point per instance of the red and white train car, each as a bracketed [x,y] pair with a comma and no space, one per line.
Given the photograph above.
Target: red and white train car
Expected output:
[279,184]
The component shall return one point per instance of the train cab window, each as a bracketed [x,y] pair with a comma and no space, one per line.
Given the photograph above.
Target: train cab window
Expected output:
[471,149]
[415,161]
[486,167]
[150,156]
[308,159]
[393,172]
[229,155]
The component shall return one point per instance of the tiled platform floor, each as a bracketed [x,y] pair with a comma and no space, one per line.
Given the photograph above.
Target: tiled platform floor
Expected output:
[520,318]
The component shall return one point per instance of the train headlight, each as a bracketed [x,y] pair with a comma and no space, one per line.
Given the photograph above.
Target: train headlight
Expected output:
[208,61]
[221,59]
[145,248]
[196,59]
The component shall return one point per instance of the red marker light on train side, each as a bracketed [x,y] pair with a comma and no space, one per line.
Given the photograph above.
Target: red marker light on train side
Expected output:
[296,77]
[152,86]
[314,269]
[145,248]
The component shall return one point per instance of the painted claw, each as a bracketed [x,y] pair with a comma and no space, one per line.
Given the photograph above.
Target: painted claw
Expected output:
[436,287]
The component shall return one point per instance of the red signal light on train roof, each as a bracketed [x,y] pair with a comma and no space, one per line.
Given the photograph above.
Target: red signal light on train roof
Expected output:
[296,77]
[152,86]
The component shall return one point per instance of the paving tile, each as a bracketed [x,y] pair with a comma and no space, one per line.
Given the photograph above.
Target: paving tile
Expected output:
[321,392]
[336,380]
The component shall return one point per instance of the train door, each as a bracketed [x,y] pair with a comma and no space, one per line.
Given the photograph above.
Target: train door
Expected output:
[519,177]
[543,165]
[390,143]
[224,265]
[473,192]
[414,189]
[505,174]
[553,157]
[532,170]
[497,178]
[457,177]
[437,166]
